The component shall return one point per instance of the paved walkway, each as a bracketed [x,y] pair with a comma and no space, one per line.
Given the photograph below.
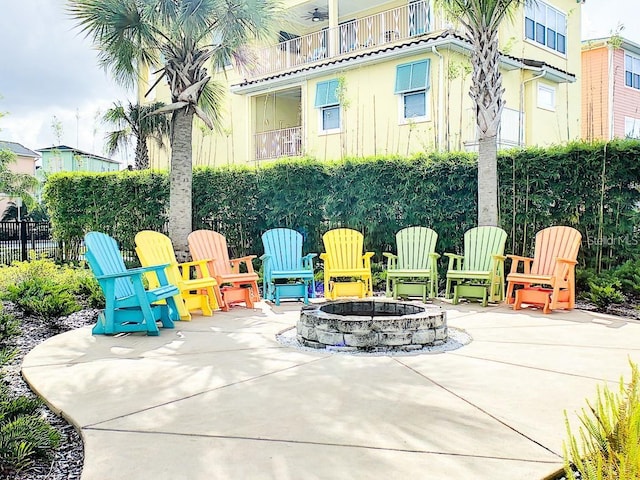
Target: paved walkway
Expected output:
[219,398]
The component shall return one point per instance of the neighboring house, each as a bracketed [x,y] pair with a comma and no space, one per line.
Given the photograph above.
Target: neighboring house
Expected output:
[67,159]
[25,163]
[610,89]
[362,77]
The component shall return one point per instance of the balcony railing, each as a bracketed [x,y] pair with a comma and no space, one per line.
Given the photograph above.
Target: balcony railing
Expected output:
[367,33]
[286,142]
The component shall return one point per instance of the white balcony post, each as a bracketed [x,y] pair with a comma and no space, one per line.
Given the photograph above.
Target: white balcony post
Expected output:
[334,31]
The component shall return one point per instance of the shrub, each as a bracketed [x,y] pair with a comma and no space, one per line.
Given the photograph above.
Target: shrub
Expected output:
[609,435]
[9,325]
[43,298]
[24,435]
[605,295]
[43,288]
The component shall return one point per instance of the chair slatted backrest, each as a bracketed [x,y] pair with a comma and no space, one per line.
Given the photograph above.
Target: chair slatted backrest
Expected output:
[414,245]
[155,248]
[480,243]
[552,243]
[104,258]
[284,246]
[345,248]
[210,245]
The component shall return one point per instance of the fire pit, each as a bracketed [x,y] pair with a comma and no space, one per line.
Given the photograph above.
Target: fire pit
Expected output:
[372,325]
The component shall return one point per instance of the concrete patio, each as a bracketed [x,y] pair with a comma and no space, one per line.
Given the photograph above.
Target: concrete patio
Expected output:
[220,398]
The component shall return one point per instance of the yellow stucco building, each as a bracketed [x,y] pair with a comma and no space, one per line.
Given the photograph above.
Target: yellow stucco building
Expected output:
[360,77]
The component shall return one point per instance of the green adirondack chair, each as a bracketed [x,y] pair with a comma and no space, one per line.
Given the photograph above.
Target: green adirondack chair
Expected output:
[286,272]
[479,273]
[414,270]
[129,307]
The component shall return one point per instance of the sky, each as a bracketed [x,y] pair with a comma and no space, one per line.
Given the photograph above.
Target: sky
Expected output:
[48,69]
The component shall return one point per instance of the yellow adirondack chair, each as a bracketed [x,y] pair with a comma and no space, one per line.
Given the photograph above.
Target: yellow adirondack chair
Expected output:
[479,273]
[195,294]
[344,258]
[236,286]
[548,279]
[414,270]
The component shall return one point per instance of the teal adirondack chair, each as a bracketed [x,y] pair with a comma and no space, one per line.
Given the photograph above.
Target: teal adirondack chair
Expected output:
[414,270]
[129,307]
[286,272]
[479,273]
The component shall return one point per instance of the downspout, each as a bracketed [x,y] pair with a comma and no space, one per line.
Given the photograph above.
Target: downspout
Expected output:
[521,108]
[440,98]
[610,92]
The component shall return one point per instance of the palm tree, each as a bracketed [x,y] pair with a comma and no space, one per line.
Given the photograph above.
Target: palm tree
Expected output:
[481,19]
[179,36]
[136,121]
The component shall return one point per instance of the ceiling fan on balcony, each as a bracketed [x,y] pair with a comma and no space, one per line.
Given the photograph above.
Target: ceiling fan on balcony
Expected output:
[317,15]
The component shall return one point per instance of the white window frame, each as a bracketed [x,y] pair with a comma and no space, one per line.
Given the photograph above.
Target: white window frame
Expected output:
[321,110]
[632,66]
[546,91]
[631,127]
[541,12]
[402,120]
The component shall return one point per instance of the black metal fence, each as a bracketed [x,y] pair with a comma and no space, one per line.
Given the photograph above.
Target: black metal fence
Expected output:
[17,239]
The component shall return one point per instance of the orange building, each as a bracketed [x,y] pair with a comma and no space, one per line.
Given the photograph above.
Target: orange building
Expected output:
[610,89]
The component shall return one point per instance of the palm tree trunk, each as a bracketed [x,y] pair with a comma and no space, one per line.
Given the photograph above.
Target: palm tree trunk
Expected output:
[487,181]
[142,154]
[181,179]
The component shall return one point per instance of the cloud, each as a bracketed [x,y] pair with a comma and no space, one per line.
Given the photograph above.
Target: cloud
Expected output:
[50,68]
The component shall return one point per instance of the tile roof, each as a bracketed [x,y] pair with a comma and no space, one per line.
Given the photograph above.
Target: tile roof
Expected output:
[427,40]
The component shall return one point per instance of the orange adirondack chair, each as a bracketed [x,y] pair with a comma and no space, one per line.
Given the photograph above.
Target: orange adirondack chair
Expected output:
[236,287]
[548,278]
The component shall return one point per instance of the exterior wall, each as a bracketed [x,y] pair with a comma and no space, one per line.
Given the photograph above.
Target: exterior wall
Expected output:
[68,161]
[626,100]
[595,93]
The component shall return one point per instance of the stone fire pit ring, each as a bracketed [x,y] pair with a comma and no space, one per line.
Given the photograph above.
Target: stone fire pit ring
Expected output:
[372,325]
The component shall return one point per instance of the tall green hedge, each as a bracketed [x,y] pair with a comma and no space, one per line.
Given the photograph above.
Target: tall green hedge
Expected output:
[593,187]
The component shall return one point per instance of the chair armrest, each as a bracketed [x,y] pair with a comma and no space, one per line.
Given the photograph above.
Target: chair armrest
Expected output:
[454,260]
[265,257]
[367,259]
[133,272]
[201,268]
[307,260]
[500,258]
[516,259]
[391,259]
[324,257]
[568,261]
[235,263]
[434,255]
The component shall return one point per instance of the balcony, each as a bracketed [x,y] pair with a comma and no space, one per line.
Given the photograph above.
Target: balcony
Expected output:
[364,34]
[286,142]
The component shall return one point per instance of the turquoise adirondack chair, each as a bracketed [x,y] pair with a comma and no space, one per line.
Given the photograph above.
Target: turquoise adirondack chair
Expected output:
[129,307]
[414,270]
[479,273]
[286,272]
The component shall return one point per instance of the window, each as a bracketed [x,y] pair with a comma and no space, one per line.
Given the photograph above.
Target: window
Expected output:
[412,86]
[328,105]
[546,26]
[632,71]
[631,127]
[546,97]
